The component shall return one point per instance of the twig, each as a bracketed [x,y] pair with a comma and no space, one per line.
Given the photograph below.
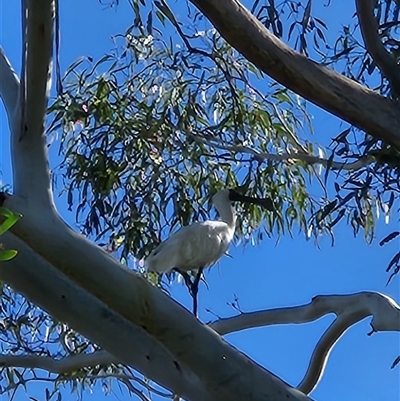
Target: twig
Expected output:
[310,159]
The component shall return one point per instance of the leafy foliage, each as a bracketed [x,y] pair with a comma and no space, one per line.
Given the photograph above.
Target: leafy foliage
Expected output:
[149,141]
[154,128]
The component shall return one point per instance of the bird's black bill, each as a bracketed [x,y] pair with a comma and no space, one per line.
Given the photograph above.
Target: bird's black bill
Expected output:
[264,202]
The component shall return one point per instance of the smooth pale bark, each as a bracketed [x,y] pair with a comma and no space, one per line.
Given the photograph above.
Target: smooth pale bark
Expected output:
[384,310]
[298,155]
[322,86]
[349,309]
[225,372]
[9,86]
[32,276]
[29,116]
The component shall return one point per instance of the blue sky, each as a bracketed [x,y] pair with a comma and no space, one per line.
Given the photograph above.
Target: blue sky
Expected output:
[265,276]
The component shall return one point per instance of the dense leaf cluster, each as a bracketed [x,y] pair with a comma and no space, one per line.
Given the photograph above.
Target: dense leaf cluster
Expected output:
[149,141]
[154,128]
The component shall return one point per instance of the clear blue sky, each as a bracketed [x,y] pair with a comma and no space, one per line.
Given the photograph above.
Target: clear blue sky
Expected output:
[264,276]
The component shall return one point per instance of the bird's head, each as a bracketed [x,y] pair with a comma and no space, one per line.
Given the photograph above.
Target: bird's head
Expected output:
[231,195]
[266,203]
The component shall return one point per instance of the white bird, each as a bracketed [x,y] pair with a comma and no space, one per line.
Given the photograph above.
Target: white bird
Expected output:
[201,244]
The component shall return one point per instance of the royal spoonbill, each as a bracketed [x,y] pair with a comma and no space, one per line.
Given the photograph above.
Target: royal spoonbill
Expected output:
[201,244]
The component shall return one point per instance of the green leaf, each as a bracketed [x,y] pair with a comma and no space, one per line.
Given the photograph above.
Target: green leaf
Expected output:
[7,254]
[166,11]
[389,238]
[161,17]
[11,219]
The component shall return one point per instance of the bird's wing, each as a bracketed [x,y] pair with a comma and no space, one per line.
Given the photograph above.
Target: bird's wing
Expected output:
[194,246]
[166,255]
[199,245]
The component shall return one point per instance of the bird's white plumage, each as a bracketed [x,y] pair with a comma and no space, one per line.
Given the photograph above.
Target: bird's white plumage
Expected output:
[198,245]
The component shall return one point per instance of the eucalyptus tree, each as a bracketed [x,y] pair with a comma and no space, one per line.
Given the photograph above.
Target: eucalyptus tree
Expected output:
[149,133]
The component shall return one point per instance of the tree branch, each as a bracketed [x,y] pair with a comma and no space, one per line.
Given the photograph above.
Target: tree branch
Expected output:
[9,86]
[311,159]
[73,363]
[381,57]
[349,309]
[29,151]
[324,87]
[222,370]
[38,62]
[58,366]
[30,275]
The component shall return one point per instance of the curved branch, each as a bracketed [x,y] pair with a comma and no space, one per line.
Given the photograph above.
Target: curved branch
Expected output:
[298,155]
[9,86]
[73,363]
[311,159]
[369,31]
[349,309]
[58,366]
[324,87]
[319,357]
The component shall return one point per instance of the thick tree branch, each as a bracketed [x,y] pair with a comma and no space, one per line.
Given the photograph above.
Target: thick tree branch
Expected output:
[29,151]
[30,275]
[369,31]
[223,371]
[324,87]
[349,310]
[9,86]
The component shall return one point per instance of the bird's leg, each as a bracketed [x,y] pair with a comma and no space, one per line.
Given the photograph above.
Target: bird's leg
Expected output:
[193,286]
[186,277]
[195,289]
